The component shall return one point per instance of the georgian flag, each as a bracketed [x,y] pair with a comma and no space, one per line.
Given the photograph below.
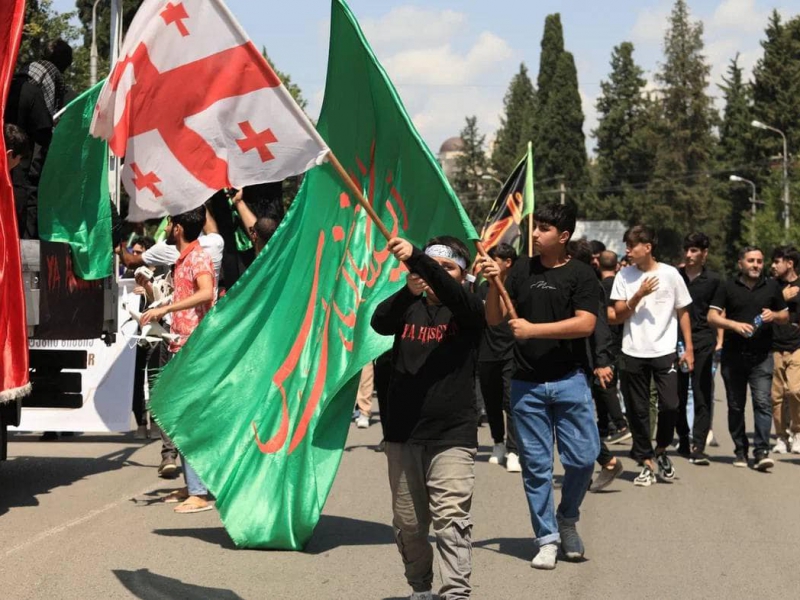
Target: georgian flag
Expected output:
[193,107]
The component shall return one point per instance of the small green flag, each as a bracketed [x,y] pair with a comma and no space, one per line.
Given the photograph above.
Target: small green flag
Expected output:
[74,199]
[260,398]
[528,196]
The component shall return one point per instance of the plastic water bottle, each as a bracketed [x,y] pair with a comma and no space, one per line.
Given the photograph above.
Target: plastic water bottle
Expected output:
[757,322]
[681,352]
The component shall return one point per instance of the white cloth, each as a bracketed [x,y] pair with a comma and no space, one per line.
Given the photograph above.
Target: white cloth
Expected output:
[164,255]
[652,330]
[194,108]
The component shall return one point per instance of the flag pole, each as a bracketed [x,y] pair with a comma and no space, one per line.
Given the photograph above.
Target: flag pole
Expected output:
[356,190]
[530,235]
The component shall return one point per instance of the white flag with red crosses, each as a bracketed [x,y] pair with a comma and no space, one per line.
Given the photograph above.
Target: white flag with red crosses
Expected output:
[193,107]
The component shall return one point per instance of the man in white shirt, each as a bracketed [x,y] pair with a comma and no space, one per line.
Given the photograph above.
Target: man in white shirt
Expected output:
[651,298]
[164,255]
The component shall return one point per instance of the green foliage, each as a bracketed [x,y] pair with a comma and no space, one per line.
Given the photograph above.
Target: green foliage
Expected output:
[682,195]
[42,25]
[292,87]
[84,10]
[624,136]
[471,166]
[561,148]
[552,49]
[517,125]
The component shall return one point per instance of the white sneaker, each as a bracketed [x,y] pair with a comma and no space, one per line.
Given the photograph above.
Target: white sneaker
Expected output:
[795,441]
[498,454]
[512,463]
[711,440]
[546,558]
[780,447]
[421,596]
[362,422]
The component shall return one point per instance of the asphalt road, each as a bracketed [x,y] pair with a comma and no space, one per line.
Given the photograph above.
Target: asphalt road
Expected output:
[81,518]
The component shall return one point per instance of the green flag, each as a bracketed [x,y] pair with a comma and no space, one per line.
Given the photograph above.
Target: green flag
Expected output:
[259,400]
[74,199]
[527,204]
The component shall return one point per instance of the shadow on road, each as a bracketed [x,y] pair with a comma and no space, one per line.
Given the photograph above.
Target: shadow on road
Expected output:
[83,438]
[522,548]
[152,586]
[331,532]
[211,535]
[26,477]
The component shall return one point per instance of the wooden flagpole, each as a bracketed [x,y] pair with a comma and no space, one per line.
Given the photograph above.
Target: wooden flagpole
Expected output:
[356,190]
[530,235]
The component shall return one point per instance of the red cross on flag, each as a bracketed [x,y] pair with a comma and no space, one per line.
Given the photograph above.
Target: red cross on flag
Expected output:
[193,107]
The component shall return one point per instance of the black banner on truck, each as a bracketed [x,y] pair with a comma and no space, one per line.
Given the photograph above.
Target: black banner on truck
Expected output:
[69,307]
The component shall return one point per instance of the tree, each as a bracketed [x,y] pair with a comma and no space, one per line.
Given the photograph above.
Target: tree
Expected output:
[776,102]
[129,8]
[42,25]
[561,150]
[625,153]
[517,124]
[292,87]
[471,166]
[735,135]
[681,198]
[552,49]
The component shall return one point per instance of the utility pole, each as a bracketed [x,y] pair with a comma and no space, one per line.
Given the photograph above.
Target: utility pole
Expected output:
[93,50]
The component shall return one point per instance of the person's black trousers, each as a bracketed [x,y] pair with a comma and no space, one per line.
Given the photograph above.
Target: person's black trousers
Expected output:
[609,407]
[495,378]
[636,375]
[702,380]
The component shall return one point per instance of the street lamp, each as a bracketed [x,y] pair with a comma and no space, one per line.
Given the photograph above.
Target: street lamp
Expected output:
[93,50]
[488,177]
[753,202]
[760,125]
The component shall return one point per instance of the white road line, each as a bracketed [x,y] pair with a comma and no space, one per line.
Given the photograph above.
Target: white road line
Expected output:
[75,522]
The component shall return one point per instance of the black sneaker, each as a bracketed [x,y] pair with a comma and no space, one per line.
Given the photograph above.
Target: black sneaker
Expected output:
[168,469]
[698,457]
[764,463]
[740,460]
[665,469]
[619,436]
[683,447]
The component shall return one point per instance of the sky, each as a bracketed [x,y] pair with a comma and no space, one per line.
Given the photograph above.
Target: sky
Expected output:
[450,59]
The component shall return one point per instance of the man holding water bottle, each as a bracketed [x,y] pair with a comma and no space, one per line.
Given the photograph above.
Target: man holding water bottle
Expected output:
[752,304]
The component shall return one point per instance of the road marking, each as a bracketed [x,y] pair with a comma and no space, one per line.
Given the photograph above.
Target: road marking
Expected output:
[75,522]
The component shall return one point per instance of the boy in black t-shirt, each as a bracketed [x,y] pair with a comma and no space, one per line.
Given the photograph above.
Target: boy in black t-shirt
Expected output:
[430,416]
[557,302]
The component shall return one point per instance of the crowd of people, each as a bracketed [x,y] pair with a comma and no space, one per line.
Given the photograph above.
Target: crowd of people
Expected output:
[582,353]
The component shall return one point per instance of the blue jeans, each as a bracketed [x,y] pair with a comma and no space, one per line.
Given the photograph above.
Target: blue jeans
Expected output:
[539,409]
[739,370]
[193,483]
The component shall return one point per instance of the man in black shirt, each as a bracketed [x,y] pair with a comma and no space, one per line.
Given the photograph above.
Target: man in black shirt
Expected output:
[430,416]
[702,284]
[496,366]
[610,419]
[786,354]
[752,304]
[556,300]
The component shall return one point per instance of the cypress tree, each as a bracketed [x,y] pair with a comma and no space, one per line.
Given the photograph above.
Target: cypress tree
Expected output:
[517,124]
[562,144]
[552,49]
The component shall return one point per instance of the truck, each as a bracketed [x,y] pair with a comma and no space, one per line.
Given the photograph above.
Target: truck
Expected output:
[81,348]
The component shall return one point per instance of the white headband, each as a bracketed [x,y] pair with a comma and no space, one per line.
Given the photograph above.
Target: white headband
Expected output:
[442,251]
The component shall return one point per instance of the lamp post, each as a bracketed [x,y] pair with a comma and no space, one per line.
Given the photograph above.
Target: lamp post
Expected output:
[488,177]
[753,202]
[93,49]
[760,125]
